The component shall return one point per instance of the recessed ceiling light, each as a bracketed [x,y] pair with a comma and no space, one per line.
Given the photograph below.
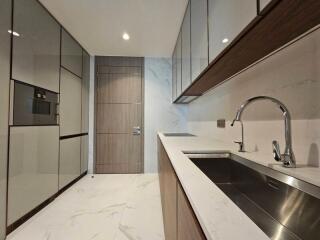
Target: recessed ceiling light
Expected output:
[126,36]
[225,40]
[14,33]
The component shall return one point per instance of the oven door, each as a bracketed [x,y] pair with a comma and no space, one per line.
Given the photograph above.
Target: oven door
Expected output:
[34,106]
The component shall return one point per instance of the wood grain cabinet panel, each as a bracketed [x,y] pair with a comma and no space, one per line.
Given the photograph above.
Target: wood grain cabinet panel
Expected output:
[180,222]
[188,225]
[168,186]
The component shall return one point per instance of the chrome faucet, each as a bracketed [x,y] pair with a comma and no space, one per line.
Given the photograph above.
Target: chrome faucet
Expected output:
[287,158]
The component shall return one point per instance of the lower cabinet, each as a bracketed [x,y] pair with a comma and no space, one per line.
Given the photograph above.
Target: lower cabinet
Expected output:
[180,222]
[33,168]
[70,155]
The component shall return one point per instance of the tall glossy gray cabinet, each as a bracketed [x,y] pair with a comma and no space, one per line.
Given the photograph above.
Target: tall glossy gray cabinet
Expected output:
[36,52]
[33,150]
[199,37]
[186,50]
[74,111]
[5,24]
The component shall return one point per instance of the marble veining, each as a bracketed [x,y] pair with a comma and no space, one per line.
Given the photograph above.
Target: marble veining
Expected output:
[115,207]
[160,114]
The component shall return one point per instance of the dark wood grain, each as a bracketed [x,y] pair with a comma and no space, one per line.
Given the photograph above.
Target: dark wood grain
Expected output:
[188,225]
[268,32]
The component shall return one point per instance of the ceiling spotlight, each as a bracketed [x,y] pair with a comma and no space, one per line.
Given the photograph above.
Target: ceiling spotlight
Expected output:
[225,40]
[14,33]
[126,36]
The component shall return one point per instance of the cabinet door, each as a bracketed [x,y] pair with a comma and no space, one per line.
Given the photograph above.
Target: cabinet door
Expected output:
[71,54]
[179,65]
[36,51]
[84,153]
[168,188]
[69,168]
[263,4]
[174,74]
[188,225]
[70,103]
[199,37]
[186,50]
[227,18]
[33,168]
[85,93]
[5,23]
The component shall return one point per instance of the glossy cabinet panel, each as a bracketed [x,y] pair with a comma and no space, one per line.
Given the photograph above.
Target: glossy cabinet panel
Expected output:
[5,23]
[174,74]
[70,103]
[186,50]
[226,20]
[71,54]
[199,37]
[85,93]
[70,157]
[33,168]
[263,4]
[84,153]
[179,65]
[36,52]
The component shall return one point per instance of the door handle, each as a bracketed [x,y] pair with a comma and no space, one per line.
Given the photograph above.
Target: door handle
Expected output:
[136,130]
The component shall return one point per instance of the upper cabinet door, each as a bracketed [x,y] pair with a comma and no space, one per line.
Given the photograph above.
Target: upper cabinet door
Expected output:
[263,4]
[71,54]
[174,74]
[186,49]
[179,65]
[227,18]
[36,46]
[85,92]
[70,103]
[199,37]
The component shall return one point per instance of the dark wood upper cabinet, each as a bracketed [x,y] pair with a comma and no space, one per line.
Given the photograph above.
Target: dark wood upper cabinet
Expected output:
[276,24]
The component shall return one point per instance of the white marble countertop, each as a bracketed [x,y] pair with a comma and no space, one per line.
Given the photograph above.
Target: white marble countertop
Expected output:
[219,217]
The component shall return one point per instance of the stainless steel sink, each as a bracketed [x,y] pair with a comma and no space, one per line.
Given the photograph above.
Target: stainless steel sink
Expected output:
[178,135]
[285,208]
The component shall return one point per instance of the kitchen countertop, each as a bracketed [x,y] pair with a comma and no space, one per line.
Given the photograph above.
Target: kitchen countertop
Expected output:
[219,217]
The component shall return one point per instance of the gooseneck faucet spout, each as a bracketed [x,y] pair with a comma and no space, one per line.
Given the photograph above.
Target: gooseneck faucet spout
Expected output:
[287,157]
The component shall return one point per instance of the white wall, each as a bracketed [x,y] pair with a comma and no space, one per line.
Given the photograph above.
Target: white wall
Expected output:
[291,75]
[160,114]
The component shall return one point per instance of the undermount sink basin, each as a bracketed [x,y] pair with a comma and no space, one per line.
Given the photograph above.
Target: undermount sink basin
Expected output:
[283,207]
[178,135]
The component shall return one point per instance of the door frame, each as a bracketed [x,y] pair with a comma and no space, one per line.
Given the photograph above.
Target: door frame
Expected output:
[95,112]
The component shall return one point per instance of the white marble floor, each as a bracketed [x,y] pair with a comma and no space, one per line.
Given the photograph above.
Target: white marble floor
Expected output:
[106,207]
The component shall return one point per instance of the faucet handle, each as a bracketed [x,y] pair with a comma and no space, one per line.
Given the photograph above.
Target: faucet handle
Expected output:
[241,146]
[276,151]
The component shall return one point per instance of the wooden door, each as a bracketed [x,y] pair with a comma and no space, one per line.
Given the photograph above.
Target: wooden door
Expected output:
[119,115]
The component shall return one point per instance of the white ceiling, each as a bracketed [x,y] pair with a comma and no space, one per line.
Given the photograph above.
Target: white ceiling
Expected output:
[98,25]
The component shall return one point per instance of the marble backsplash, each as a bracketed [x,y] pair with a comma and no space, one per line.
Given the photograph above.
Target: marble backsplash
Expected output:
[291,75]
[159,112]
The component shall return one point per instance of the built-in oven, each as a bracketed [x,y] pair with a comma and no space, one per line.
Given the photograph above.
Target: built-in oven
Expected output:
[34,106]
